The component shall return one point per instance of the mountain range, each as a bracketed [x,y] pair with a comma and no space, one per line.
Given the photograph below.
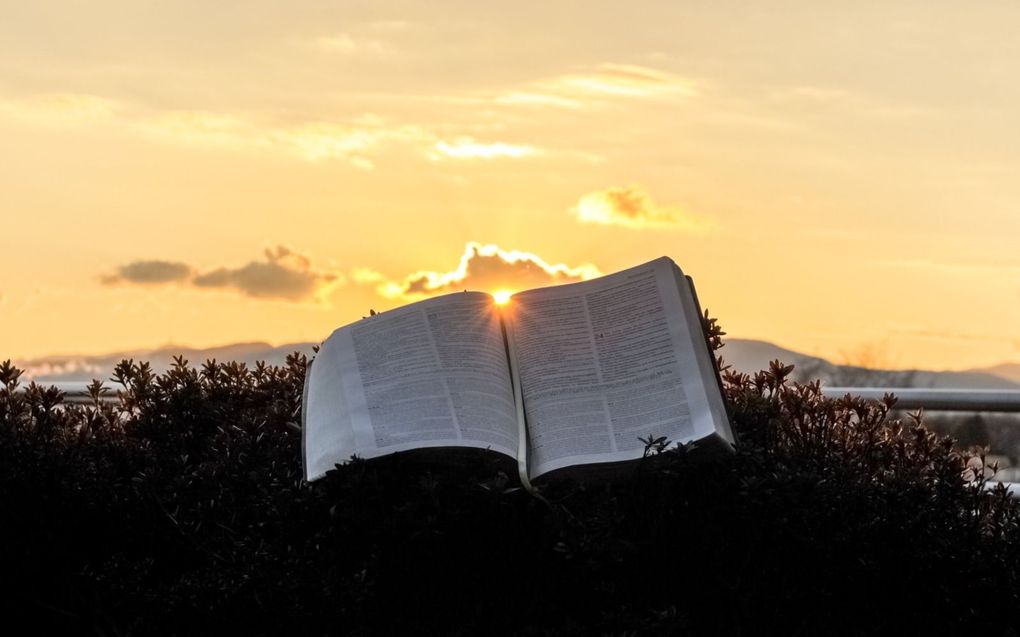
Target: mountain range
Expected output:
[744,355]
[747,356]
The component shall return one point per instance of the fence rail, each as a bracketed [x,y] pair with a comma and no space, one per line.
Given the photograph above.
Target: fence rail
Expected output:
[77,393]
[910,398]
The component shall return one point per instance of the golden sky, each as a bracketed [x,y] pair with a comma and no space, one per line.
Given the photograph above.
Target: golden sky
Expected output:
[835,176]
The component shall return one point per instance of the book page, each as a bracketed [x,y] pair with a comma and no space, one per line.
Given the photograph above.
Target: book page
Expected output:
[606,362]
[431,374]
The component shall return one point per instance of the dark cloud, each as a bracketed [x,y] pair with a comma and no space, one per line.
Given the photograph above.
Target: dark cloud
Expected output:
[488,268]
[149,273]
[283,274]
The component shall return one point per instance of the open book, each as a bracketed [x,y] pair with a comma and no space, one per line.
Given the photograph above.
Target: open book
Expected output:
[558,377]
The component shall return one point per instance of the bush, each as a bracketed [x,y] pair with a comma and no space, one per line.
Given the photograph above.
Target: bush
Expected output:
[180,509]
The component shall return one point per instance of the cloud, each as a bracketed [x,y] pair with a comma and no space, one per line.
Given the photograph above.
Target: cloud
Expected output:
[468,148]
[366,275]
[631,207]
[149,273]
[350,140]
[486,268]
[361,39]
[604,82]
[353,141]
[356,141]
[283,274]
[630,81]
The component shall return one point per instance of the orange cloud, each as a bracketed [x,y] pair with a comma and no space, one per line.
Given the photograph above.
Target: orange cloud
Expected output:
[487,268]
[631,207]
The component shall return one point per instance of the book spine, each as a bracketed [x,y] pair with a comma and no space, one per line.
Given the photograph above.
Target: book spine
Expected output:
[522,424]
[708,347]
[304,418]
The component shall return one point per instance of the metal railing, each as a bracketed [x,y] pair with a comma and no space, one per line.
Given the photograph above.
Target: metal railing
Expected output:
[77,393]
[910,398]
[952,400]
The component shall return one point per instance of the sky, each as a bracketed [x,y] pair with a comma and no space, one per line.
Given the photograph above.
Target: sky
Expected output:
[839,178]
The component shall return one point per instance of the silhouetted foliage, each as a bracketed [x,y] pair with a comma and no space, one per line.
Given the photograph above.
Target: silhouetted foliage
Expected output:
[180,509]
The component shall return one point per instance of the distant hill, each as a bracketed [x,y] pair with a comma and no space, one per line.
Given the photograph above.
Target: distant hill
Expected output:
[1006,370]
[750,355]
[744,355]
[85,368]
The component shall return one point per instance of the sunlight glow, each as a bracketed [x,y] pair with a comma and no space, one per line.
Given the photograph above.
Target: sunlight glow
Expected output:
[493,268]
[502,297]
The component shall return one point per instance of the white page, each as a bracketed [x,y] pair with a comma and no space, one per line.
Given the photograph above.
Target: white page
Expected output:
[605,362]
[430,374]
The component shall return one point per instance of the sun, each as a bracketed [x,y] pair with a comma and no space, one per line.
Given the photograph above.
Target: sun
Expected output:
[502,297]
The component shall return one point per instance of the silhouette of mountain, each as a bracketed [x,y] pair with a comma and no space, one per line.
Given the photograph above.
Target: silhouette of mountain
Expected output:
[751,355]
[745,355]
[1005,370]
[85,368]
